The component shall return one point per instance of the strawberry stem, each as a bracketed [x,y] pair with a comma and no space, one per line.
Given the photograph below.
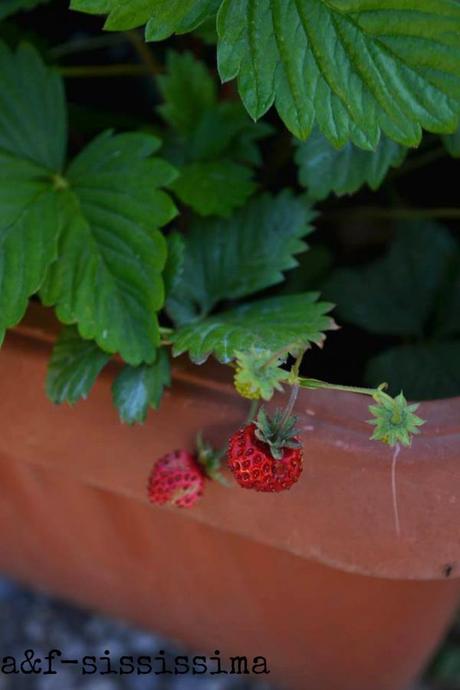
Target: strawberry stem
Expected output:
[297,363]
[315,384]
[253,407]
[290,406]
[208,457]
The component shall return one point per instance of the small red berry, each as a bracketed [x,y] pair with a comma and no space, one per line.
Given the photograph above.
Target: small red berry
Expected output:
[254,467]
[176,479]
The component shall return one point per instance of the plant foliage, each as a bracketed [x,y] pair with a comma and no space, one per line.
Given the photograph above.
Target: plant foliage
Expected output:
[111,213]
[355,68]
[85,235]
[74,367]
[324,169]
[212,142]
[281,324]
[137,388]
[412,292]
[396,294]
[185,232]
[230,259]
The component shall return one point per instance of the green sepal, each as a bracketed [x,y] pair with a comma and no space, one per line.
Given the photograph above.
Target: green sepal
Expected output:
[210,460]
[258,374]
[395,420]
[277,432]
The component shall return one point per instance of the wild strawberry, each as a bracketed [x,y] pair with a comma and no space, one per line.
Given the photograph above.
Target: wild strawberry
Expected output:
[176,479]
[266,455]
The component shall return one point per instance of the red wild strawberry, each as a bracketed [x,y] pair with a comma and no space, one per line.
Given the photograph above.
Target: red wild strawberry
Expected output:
[266,455]
[176,479]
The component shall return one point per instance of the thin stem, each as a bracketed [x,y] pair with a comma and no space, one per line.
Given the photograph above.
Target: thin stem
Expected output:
[393,489]
[315,384]
[144,52]
[290,406]
[252,411]
[365,212]
[297,363]
[419,161]
[87,44]
[210,459]
[117,70]
[280,354]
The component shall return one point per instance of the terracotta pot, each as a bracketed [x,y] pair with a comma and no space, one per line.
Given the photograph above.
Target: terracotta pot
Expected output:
[317,580]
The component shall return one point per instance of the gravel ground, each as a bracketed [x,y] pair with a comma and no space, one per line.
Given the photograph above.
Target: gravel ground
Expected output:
[36,621]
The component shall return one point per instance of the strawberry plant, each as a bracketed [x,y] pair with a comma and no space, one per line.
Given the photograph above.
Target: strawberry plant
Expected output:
[164,164]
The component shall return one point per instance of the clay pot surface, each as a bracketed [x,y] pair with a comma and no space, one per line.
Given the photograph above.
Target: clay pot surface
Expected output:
[317,579]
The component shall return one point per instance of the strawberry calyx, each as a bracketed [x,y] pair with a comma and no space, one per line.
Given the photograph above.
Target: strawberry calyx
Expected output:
[277,432]
[210,460]
[258,374]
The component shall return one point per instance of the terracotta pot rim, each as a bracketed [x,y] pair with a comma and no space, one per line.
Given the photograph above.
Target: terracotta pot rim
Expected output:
[340,514]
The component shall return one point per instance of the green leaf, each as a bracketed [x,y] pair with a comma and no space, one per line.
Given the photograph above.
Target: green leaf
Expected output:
[137,388]
[324,169]
[425,371]
[33,119]
[230,259]
[73,368]
[354,67]
[214,188]
[111,255]
[204,128]
[452,143]
[9,7]
[93,6]
[32,148]
[29,226]
[213,142]
[174,261]
[177,16]
[282,324]
[98,224]
[163,17]
[226,131]
[396,295]
[188,91]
